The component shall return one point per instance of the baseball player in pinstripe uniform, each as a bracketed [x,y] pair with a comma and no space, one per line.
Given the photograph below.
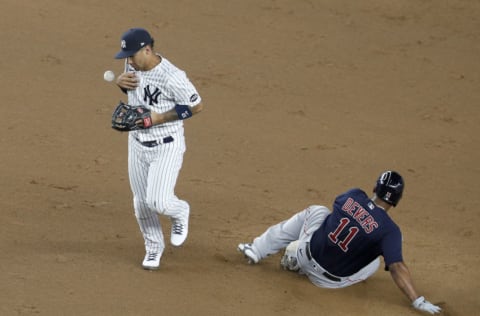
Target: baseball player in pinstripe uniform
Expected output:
[155,154]
[341,248]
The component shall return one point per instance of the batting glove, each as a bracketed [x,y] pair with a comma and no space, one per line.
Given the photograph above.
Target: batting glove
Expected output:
[423,305]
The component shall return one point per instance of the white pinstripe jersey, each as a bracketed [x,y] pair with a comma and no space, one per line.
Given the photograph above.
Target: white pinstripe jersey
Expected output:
[160,89]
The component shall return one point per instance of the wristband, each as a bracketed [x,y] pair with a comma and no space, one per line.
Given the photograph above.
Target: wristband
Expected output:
[183,111]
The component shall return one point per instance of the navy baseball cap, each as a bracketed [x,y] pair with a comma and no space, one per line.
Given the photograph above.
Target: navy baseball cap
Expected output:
[132,41]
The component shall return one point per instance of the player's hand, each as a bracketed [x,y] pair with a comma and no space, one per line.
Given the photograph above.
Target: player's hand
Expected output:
[423,305]
[127,81]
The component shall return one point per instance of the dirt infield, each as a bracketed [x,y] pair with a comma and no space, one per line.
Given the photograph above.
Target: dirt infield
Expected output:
[303,100]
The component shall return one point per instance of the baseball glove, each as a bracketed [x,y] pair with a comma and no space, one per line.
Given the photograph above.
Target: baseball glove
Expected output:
[128,118]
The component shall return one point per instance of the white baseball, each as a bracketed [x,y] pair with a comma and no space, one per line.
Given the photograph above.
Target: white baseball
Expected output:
[109,75]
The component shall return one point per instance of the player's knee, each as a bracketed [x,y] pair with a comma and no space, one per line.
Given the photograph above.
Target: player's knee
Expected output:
[317,213]
[318,209]
[160,205]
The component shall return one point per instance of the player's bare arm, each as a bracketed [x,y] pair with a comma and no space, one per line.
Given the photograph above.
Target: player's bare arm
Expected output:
[173,114]
[402,278]
[401,275]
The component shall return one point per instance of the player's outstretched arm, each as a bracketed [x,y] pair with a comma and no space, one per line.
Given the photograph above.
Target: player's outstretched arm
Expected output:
[402,278]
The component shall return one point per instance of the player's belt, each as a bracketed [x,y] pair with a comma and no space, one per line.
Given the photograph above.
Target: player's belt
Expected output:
[325,274]
[153,143]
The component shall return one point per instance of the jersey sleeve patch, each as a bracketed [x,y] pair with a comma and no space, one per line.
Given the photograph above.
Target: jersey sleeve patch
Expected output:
[194,97]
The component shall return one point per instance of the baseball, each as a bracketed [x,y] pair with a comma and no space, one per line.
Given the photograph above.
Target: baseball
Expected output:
[109,75]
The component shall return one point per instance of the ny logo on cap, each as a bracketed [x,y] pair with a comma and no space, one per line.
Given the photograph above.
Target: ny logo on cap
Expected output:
[123,44]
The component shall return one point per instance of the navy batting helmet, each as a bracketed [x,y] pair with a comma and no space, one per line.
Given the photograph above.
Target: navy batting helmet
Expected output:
[389,187]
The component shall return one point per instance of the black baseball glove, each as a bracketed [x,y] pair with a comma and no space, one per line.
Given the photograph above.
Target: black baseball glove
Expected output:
[128,118]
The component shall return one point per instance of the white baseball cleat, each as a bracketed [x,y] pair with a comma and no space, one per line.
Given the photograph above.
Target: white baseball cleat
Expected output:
[179,231]
[249,253]
[151,261]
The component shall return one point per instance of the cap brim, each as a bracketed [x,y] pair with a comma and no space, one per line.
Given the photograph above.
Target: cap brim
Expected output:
[125,54]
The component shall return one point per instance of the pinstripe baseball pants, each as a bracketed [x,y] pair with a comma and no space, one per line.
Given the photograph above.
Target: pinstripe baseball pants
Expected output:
[153,173]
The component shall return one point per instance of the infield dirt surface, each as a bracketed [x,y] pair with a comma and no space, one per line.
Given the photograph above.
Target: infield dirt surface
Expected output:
[303,100]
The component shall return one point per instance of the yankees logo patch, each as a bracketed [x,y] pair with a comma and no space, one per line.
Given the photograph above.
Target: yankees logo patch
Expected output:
[151,96]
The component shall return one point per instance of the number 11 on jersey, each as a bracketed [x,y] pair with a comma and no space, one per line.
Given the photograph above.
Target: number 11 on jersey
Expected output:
[343,244]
